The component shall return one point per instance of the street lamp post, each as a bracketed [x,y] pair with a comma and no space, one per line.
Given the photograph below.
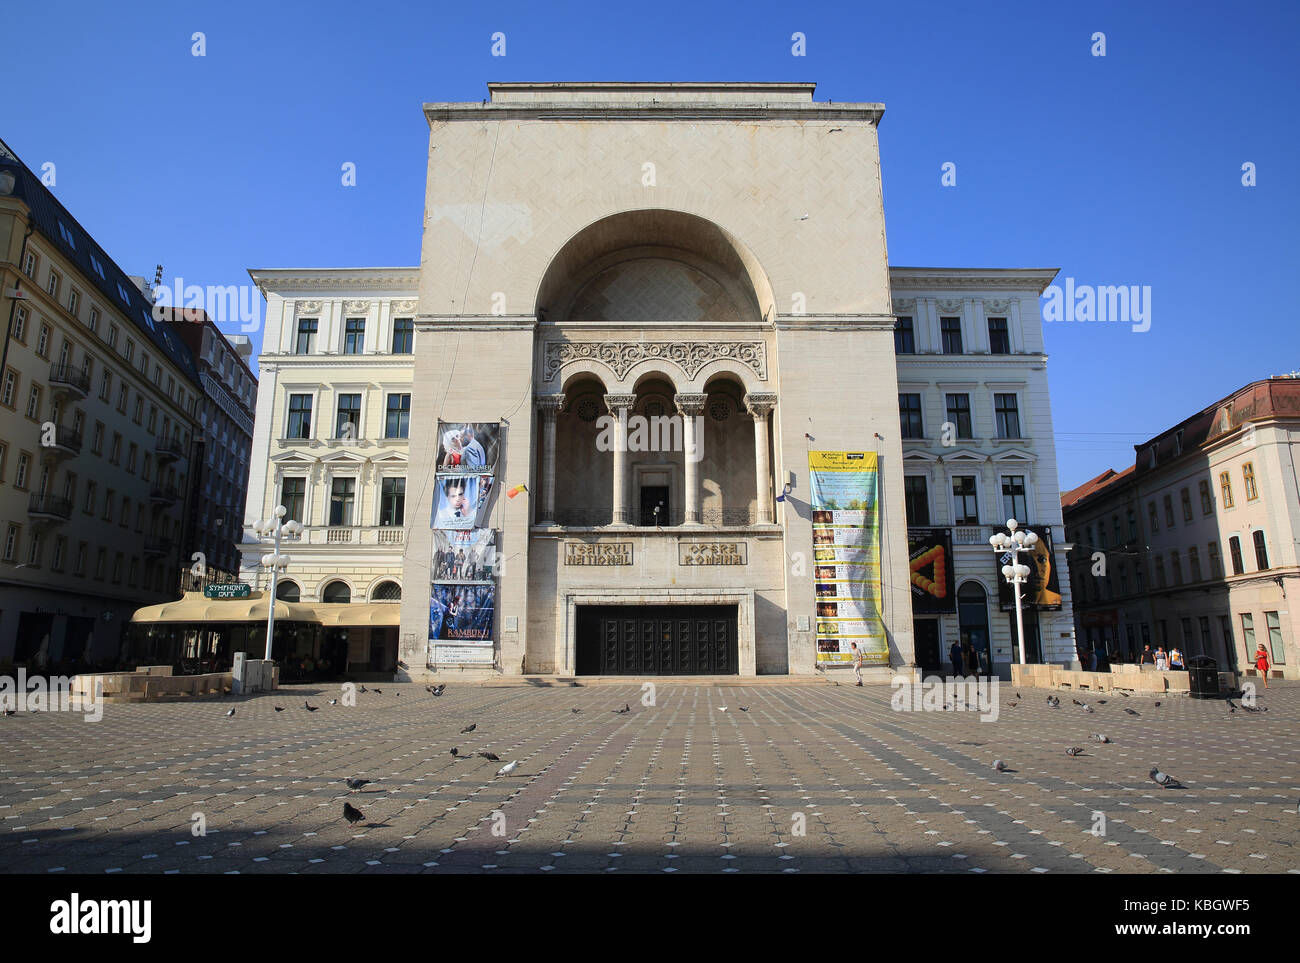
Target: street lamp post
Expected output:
[1015,573]
[275,528]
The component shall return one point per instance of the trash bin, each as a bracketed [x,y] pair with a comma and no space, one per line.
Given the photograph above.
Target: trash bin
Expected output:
[1203,677]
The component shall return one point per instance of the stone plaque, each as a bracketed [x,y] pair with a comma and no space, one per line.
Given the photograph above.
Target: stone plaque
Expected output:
[712,553]
[600,553]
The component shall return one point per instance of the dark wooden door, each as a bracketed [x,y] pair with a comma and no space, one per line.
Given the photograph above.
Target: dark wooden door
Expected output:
[925,633]
[652,497]
[657,640]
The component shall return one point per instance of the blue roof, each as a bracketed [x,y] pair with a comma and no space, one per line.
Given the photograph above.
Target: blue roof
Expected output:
[74,242]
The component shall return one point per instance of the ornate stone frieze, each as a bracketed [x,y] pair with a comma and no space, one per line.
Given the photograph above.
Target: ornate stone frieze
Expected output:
[690,403]
[617,402]
[950,305]
[997,305]
[549,405]
[308,307]
[356,307]
[405,307]
[905,306]
[760,403]
[620,356]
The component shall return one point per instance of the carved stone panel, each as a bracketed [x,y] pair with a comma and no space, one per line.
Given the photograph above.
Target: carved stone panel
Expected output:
[620,356]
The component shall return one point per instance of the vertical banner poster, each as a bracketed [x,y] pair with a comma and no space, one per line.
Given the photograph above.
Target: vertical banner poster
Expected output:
[464,556]
[1042,590]
[462,613]
[929,563]
[459,500]
[846,556]
[467,448]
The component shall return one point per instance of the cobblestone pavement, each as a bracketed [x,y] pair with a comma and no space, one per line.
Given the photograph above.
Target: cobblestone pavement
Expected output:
[678,787]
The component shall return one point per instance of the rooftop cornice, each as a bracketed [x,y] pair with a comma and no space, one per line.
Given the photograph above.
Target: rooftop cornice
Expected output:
[596,110]
[287,281]
[994,279]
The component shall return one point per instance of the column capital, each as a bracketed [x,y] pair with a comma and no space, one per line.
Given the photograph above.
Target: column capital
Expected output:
[760,403]
[549,405]
[617,403]
[690,403]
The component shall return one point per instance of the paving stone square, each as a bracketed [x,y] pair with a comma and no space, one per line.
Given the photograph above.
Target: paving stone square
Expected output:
[791,778]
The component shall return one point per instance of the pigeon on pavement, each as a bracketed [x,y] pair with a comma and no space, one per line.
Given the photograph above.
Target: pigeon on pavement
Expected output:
[999,765]
[308,706]
[744,708]
[1157,705]
[1076,702]
[352,814]
[626,708]
[1132,712]
[279,708]
[379,692]
[230,713]
[490,755]
[455,751]
[356,783]
[1074,751]
[332,702]
[575,710]
[722,708]
[508,768]
[469,728]
[1100,738]
[1164,779]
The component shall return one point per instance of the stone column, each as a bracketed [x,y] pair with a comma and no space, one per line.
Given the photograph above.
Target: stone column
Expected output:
[548,408]
[760,405]
[691,407]
[619,406]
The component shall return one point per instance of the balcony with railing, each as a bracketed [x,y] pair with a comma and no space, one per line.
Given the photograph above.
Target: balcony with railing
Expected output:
[163,495]
[49,508]
[69,380]
[64,443]
[597,518]
[351,535]
[167,449]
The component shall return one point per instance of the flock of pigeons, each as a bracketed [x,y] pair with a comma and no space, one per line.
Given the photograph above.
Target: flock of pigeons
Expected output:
[1160,778]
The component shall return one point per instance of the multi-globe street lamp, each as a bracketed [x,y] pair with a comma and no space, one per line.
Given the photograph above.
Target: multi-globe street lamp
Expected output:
[275,561]
[1015,573]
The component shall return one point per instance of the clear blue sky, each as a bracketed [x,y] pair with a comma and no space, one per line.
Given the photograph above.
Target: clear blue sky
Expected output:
[1118,170]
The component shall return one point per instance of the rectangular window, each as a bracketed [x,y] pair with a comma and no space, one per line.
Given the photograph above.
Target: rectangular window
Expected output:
[293,493]
[53,286]
[12,534]
[1194,562]
[1101,532]
[115,452]
[1248,476]
[80,568]
[74,302]
[1007,410]
[403,335]
[965,502]
[1225,487]
[1013,500]
[153,420]
[1123,581]
[951,330]
[20,325]
[1207,643]
[342,493]
[93,321]
[112,336]
[999,338]
[10,387]
[110,499]
[1234,549]
[1169,510]
[1187,505]
[299,416]
[105,385]
[959,414]
[1248,634]
[29,264]
[97,439]
[1261,550]
[348,424]
[60,549]
[354,335]
[1275,638]
[1207,503]
[916,497]
[392,501]
[147,470]
[1176,566]
[1216,567]
[124,516]
[1153,517]
[123,396]
[89,506]
[1225,626]
[1186,625]
[306,336]
[131,455]
[1160,571]
[139,409]
[43,341]
[1119,535]
[909,412]
[904,336]
[33,402]
[20,475]
[101,557]
[397,422]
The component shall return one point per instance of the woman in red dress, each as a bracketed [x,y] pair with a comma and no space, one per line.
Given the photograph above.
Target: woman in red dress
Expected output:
[1261,663]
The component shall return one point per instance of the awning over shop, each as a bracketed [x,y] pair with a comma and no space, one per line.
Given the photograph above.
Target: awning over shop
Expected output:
[194,607]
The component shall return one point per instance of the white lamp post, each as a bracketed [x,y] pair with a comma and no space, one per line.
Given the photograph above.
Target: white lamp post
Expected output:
[274,528]
[1016,574]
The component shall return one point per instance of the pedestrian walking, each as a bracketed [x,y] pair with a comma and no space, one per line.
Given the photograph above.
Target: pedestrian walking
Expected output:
[1146,656]
[1162,659]
[955,655]
[1175,658]
[857,660]
[1262,663]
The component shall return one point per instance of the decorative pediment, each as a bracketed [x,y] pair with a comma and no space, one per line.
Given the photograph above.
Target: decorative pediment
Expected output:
[964,455]
[920,456]
[1015,454]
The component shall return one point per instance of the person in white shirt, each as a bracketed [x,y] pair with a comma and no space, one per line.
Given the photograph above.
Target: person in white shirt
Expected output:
[857,660]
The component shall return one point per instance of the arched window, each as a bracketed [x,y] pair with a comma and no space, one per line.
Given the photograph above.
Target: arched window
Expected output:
[387,592]
[973,616]
[337,592]
[288,591]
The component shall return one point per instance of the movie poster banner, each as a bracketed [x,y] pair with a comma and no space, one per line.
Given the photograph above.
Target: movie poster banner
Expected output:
[467,448]
[459,500]
[929,556]
[1042,590]
[846,556]
[464,556]
[462,613]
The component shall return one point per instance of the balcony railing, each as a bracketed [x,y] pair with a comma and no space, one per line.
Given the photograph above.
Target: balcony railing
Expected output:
[64,377]
[157,545]
[164,493]
[66,442]
[168,450]
[49,507]
[352,535]
[709,518]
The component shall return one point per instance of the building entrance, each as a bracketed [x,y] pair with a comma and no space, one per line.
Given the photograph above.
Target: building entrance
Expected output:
[657,640]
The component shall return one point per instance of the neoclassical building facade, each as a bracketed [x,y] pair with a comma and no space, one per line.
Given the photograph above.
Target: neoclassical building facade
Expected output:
[651,302]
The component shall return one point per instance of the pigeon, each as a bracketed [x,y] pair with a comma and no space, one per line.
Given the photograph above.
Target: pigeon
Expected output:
[469,728]
[1076,702]
[1124,694]
[1074,751]
[399,695]
[230,713]
[333,702]
[428,688]
[402,665]
[490,755]
[1132,712]
[1087,708]
[308,706]
[455,751]
[1100,738]
[626,708]
[278,708]
[1250,708]
[1157,705]
[744,708]
[440,689]
[1018,697]
[1231,707]
[356,783]
[999,765]
[379,692]
[1101,702]
[575,710]
[362,689]
[1012,705]
[11,712]
[722,708]
[508,768]
[1163,778]
[352,814]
